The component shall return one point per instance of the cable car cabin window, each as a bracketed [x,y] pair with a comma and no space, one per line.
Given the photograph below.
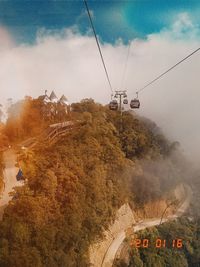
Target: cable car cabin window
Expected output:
[135,103]
[113,105]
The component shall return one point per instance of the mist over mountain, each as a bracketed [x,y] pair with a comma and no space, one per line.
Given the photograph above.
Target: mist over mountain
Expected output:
[57,60]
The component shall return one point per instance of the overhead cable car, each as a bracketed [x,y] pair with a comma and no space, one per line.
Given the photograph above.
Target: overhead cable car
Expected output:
[113,105]
[135,103]
[125,101]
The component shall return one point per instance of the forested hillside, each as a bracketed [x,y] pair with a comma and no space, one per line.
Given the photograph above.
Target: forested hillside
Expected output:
[29,117]
[3,143]
[1,173]
[75,185]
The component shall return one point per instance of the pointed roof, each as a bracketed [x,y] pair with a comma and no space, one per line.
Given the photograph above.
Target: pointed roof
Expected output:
[64,100]
[53,97]
[44,98]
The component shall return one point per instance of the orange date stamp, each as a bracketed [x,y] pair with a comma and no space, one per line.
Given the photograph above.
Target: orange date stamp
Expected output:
[157,243]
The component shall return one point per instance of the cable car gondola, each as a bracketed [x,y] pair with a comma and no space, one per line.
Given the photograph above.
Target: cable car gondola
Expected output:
[135,103]
[125,101]
[113,105]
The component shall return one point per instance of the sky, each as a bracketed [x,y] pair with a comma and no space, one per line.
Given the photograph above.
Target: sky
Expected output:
[49,45]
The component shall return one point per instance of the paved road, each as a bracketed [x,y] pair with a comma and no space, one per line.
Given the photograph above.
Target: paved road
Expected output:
[112,250]
[9,175]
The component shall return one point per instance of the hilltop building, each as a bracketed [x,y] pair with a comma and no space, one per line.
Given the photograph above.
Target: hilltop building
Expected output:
[54,107]
[53,98]
[63,100]
[44,98]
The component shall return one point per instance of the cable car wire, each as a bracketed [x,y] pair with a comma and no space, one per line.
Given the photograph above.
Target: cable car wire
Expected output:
[98,45]
[125,66]
[168,70]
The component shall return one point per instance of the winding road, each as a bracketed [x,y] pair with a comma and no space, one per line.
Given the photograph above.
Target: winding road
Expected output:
[112,250]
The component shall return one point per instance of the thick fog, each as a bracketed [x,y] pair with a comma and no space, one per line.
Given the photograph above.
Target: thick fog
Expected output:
[69,63]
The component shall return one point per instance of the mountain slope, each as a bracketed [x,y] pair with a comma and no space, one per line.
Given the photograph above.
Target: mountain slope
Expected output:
[75,186]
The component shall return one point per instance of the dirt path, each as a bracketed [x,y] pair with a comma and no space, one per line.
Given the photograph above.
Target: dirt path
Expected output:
[112,250]
[9,175]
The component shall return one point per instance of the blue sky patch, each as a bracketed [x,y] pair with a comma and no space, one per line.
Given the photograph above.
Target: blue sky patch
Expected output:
[113,19]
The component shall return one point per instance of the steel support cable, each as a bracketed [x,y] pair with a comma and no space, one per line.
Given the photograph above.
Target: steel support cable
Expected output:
[168,70]
[125,66]
[98,45]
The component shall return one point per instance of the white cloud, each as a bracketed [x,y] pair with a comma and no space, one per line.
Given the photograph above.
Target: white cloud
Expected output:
[6,41]
[69,63]
[183,28]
